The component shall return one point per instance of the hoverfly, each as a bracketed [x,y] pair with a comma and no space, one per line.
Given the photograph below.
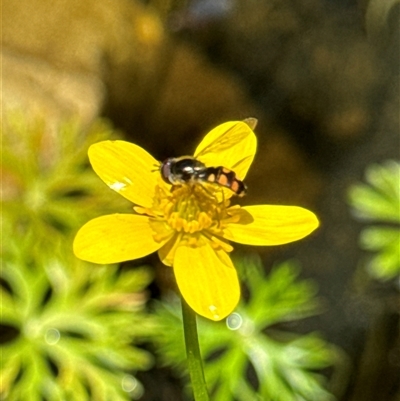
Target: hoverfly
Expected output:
[189,170]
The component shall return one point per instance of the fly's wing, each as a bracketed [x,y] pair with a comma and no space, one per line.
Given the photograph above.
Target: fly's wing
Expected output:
[231,145]
[251,122]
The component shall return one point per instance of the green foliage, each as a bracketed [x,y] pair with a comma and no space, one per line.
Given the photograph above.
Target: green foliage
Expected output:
[74,328]
[282,365]
[47,182]
[378,203]
[70,330]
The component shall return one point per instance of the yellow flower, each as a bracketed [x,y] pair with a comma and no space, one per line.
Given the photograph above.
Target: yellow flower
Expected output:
[189,225]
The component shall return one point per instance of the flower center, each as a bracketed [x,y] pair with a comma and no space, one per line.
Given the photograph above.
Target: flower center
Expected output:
[193,208]
[195,212]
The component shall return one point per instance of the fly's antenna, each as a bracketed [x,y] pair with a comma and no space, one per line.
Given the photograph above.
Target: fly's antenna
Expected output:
[156,167]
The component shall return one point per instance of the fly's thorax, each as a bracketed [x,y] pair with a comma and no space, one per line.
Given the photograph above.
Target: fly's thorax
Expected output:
[181,170]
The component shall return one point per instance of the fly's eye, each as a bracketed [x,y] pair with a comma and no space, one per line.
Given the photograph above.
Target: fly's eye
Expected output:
[165,169]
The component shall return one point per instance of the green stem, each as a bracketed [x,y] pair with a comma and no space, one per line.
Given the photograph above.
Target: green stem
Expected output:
[195,362]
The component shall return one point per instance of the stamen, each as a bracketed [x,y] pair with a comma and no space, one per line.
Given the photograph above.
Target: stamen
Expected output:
[189,209]
[219,243]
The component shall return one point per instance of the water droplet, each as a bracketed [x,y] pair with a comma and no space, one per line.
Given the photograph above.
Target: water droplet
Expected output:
[132,386]
[234,321]
[213,309]
[52,336]
[117,186]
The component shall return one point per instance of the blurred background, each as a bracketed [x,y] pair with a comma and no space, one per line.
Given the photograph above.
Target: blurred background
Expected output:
[322,78]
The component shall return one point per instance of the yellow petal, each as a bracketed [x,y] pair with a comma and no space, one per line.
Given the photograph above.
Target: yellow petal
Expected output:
[167,252]
[127,169]
[115,238]
[270,225]
[231,145]
[206,280]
